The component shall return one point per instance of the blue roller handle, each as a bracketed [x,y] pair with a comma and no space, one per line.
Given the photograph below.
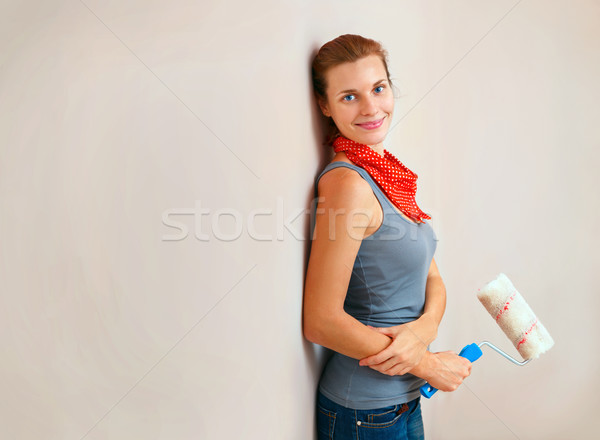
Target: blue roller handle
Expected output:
[472,352]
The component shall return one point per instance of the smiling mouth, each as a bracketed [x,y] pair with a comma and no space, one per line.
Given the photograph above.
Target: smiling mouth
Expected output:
[372,124]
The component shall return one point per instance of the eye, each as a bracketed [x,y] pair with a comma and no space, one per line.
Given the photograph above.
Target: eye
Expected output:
[348,96]
[379,87]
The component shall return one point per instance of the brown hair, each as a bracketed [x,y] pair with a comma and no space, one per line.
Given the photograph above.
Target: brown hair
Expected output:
[343,49]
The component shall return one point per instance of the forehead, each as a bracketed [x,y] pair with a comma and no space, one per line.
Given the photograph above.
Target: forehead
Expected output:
[362,73]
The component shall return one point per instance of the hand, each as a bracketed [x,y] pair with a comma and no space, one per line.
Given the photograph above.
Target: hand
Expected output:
[445,370]
[408,346]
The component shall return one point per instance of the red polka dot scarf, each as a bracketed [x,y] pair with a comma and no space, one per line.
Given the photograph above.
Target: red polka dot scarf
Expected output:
[395,180]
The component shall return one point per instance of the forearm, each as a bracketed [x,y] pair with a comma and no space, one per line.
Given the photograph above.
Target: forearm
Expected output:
[444,370]
[423,368]
[427,325]
[346,335]
[435,305]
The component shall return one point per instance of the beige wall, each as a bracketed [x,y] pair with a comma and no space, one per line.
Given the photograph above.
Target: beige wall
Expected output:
[120,120]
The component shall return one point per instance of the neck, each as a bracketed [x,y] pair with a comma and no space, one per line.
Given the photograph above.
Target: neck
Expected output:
[378,148]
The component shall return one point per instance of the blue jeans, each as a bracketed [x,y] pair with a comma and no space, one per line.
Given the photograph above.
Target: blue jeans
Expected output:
[398,422]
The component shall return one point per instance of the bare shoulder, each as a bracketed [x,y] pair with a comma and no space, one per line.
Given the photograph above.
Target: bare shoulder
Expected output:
[344,187]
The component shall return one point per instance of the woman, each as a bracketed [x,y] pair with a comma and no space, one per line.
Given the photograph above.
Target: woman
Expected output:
[373,293]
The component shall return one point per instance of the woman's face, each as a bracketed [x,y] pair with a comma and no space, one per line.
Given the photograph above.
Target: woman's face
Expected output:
[360,100]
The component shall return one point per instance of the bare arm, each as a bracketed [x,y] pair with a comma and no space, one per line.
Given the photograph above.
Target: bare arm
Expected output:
[339,230]
[444,370]
[410,340]
[336,240]
[435,302]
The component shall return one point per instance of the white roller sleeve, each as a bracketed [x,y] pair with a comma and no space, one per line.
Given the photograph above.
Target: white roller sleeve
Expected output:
[515,317]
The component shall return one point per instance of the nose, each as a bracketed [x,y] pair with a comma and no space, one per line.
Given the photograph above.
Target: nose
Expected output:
[369,106]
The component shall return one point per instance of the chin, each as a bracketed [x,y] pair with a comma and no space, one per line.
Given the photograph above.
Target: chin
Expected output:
[373,138]
[357,134]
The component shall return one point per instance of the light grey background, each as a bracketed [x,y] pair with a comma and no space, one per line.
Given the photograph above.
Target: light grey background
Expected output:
[120,120]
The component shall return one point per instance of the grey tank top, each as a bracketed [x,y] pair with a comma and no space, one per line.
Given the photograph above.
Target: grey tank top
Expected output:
[386,288]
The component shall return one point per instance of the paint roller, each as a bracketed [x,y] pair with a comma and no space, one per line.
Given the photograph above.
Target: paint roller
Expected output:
[514,316]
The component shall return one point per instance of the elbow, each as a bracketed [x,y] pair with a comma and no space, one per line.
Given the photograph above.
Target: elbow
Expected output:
[316,327]
[311,330]
[309,335]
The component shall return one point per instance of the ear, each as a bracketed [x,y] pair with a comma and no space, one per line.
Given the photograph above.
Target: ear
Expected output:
[324,108]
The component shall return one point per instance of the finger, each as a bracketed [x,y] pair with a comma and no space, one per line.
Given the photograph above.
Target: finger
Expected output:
[392,330]
[375,359]
[377,369]
[391,364]
[383,368]
[405,370]
[401,368]
[395,370]
[398,370]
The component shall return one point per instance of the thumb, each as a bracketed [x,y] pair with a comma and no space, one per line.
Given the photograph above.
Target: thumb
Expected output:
[384,330]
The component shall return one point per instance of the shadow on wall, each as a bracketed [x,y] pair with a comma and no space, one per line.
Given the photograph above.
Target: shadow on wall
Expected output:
[315,355]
